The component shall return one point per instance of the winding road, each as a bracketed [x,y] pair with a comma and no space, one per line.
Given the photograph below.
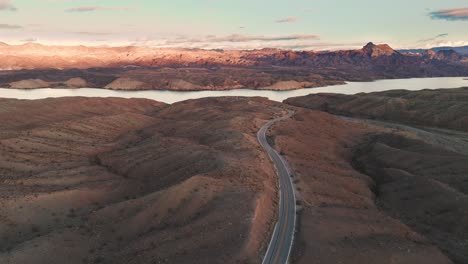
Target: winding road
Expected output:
[281,242]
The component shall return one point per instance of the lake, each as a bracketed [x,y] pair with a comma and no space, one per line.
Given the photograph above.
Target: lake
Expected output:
[176,96]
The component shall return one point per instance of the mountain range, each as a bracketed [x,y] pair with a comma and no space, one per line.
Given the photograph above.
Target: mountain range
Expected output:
[139,68]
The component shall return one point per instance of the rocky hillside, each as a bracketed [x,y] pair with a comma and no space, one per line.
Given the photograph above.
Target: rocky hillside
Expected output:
[372,194]
[35,66]
[375,191]
[444,108]
[423,185]
[36,56]
[88,180]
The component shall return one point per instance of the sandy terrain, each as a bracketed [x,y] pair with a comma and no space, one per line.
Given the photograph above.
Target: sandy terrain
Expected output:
[134,181]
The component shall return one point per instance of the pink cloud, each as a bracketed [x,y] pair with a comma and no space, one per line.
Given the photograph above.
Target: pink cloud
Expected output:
[450,14]
[287,20]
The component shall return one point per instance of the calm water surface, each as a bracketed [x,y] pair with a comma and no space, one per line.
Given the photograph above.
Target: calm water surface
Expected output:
[174,96]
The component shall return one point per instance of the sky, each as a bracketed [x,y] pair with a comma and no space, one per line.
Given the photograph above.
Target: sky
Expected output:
[236,24]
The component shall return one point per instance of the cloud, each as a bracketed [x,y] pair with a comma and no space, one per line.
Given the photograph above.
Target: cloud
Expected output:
[245,38]
[442,42]
[29,40]
[236,41]
[287,20]
[5,5]
[443,35]
[436,43]
[450,14]
[84,9]
[89,33]
[237,38]
[448,44]
[323,46]
[8,26]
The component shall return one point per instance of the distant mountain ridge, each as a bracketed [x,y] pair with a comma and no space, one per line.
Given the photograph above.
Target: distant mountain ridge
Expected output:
[37,56]
[139,68]
[463,50]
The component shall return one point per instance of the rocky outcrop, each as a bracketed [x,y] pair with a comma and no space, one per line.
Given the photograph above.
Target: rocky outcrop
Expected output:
[76,83]
[287,85]
[443,55]
[373,50]
[29,84]
[38,83]
[180,85]
[126,84]
[448,55]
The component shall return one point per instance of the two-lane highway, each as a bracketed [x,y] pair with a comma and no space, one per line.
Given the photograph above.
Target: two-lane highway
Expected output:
[283,235]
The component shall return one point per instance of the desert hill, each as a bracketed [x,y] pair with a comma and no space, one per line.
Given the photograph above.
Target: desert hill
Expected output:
[137,181]
[408,149]
[88,180]
[351,214]
[443,108]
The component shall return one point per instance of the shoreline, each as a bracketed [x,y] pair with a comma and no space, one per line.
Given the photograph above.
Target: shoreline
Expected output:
[337,83]
[169,97]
